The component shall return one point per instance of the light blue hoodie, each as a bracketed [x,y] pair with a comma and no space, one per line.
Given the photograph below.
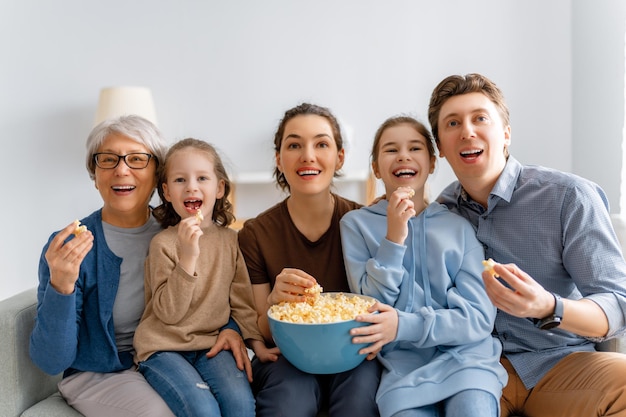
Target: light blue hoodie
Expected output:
[444,343]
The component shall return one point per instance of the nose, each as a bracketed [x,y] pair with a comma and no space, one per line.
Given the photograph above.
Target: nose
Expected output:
[308,153]
[192,185]
[121,168]
[467,131]
[403,155]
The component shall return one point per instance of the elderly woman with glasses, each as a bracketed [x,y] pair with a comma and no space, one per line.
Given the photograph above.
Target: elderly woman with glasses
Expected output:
[91,294]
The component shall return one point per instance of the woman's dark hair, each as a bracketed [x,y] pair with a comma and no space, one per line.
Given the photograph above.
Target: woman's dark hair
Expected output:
[222,212]
[303,110]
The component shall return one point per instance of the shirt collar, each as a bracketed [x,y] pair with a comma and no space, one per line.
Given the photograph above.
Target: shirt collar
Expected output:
[508,180]
[505,185]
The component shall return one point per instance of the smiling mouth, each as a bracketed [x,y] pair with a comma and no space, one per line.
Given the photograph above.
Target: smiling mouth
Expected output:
[308,172]
[474,153]
[404,173]
[194,205]
[123,188]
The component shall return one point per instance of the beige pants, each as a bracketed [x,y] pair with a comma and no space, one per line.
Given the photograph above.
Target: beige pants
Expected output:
[583,384]
[119,394]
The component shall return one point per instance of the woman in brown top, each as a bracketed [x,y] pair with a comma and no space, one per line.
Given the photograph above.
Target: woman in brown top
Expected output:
[289,248]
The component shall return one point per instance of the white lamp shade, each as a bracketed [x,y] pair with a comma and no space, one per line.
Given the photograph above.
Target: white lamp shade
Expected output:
[121,101]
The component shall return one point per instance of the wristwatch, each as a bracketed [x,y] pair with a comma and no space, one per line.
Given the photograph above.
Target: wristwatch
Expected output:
[553,320]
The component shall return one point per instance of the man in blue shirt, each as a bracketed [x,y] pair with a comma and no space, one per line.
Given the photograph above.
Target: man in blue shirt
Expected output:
[560,278]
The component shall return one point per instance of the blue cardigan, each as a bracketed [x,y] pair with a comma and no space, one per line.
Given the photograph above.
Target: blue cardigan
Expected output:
[75,332]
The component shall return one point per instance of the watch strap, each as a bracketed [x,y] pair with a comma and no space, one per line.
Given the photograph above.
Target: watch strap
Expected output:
[553,320]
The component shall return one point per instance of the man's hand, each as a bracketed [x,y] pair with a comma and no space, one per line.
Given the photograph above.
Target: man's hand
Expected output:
[523,297]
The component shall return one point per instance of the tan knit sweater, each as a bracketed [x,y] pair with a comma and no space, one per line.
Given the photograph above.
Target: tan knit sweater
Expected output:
[184,312]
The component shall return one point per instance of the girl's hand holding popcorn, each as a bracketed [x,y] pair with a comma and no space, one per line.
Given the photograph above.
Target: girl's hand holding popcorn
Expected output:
[189,233]
[400,209]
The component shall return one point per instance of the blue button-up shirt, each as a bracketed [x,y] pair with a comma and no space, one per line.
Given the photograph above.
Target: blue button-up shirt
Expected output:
[556,227]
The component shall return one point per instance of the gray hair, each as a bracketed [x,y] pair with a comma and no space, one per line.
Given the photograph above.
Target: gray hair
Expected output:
[134,127]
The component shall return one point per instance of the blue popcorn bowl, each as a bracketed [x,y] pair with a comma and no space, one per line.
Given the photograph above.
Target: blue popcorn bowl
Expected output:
[324,348]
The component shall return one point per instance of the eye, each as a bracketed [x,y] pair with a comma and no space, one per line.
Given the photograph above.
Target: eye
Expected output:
[203,178]
[179,179]
[452,123]
[482,119]
[323,145]
[293,145]
[107,158]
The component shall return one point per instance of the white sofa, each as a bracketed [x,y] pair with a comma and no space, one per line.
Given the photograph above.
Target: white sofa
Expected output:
[26,391]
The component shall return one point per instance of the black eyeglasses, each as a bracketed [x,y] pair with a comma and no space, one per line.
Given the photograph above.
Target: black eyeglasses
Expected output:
[135,160]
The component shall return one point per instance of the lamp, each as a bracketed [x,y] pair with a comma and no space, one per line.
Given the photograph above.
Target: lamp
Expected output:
[120,101]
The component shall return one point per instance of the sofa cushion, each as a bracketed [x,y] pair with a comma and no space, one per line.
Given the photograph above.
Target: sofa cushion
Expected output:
[53,406]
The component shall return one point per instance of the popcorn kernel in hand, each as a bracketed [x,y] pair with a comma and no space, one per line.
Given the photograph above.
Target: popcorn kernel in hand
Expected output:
[79,228]
[489,264]
[315,290]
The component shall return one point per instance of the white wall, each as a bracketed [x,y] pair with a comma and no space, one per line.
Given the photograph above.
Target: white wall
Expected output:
[598,87]
[226,71]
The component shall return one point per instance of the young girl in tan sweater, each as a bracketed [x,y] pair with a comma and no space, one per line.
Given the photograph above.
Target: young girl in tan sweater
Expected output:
[195,280]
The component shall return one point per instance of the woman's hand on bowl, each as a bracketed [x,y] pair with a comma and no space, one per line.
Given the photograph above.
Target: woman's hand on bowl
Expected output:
[382,330]
[290,285]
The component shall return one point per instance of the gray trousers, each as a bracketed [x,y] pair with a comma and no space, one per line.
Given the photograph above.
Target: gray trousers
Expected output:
[120,394]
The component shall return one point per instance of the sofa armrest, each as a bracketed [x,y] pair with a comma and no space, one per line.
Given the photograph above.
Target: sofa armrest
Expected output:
[22,383]
[617,344]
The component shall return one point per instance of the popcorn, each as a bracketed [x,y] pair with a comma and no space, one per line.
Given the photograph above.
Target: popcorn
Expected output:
[315,290]
[80,228]
[489,264]
[199,216]
[323,308]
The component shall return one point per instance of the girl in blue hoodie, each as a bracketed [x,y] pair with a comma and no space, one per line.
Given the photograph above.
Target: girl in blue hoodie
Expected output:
[424,264]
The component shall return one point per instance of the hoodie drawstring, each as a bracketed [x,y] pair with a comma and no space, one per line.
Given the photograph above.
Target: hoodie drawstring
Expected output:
[423,262]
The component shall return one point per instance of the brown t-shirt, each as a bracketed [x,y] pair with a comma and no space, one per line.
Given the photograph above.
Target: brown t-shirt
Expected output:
[271,242]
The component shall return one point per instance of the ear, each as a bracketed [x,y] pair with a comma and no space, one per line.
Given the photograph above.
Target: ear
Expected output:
[433,161]
[341,157]
[375,170]
[278,163]
[507,135]
[221,189]
[438,149]
[166,193]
